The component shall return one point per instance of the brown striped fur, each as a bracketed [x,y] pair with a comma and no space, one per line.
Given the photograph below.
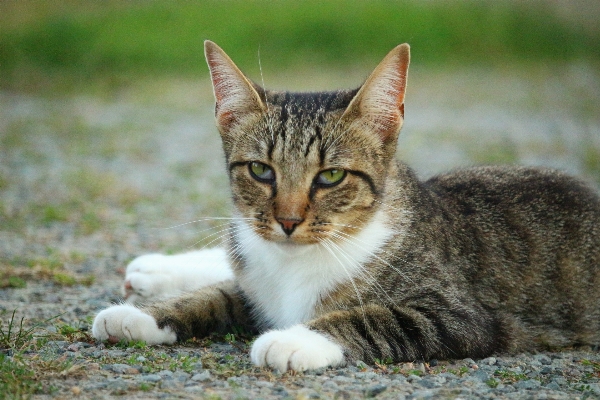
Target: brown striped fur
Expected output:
[483,260]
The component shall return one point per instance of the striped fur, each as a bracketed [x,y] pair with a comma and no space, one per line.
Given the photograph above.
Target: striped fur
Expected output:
[474,262]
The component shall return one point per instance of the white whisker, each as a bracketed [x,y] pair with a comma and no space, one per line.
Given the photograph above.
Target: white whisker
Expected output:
[204,220]
[359,243]
[369,278]
[328,244]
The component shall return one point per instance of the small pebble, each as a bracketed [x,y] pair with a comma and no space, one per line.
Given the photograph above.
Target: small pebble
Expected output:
[151,378]
[528,384]
[488,361]
[374,390]
[202,377]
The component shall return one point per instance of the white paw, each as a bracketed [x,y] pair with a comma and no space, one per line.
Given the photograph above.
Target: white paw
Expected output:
[297,348]
[153,276]
[127,322]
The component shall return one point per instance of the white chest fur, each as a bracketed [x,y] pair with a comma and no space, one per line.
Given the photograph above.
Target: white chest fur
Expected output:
[286,281]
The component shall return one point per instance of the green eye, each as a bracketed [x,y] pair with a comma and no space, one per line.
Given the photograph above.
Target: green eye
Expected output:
[261,172]
[331,177]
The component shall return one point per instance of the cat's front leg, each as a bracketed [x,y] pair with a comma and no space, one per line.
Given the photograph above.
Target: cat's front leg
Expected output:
[431,327]
[132,324]
[154,276]
[215,308]
[426,327]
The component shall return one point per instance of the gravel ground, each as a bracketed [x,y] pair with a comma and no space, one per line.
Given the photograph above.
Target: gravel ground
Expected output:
[220,367]
[88,183]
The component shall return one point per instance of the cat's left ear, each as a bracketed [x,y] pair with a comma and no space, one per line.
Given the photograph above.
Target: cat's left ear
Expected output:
[236,97]
[378,106]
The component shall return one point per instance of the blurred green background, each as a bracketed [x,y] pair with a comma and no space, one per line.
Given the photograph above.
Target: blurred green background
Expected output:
[106,124]
[65,44]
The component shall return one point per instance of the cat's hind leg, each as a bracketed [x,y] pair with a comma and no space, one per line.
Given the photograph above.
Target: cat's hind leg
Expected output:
[154,276]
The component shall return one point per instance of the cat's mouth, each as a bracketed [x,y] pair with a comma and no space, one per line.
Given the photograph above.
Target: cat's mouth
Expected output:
[302,235]
[293,239]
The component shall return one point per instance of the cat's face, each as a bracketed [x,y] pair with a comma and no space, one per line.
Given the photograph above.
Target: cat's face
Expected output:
[309,167]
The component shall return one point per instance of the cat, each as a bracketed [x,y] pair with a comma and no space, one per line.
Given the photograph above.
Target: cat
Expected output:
[337,252]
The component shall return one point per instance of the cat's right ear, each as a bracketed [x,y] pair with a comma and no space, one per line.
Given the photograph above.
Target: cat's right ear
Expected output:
[236,99]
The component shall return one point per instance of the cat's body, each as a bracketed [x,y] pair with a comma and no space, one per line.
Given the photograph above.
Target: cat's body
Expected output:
[348,256]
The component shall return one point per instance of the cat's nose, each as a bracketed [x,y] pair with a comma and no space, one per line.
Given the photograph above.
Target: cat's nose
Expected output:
[289,224]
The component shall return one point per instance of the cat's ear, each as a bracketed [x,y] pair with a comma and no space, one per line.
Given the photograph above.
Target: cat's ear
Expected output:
[378,106]
[236,98]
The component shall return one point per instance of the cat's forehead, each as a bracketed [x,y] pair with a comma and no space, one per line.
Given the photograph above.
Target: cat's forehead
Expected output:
[308,106]
[299,127]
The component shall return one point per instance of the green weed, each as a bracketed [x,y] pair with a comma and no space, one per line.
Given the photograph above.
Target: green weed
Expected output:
[509,376]
[493,383]
[52,214]
[64,279]
[15,282]
[144,387]
[593,364]
[14,335]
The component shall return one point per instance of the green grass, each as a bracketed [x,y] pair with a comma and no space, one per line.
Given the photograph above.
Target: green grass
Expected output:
[21,374]
[17,379]
[15,273]
[79,42]
[14,335]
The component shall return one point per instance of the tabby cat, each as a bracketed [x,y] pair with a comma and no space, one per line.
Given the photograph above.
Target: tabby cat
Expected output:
[338,253]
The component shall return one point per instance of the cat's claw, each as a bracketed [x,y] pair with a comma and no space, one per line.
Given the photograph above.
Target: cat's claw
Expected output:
[296,348]
[130,323]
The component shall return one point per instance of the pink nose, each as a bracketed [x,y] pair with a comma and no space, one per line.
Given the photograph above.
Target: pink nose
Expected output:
[288,224]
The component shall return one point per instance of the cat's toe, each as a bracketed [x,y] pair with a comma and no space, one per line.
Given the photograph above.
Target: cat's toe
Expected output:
[130,323]
[146,278]
[139,286]
[297,348]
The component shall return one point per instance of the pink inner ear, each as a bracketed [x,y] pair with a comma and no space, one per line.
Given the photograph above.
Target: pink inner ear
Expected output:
[218,79]
[392,121]
[388,125]
[225,119]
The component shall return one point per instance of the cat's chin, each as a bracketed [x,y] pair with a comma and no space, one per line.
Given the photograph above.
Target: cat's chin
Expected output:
[292,248]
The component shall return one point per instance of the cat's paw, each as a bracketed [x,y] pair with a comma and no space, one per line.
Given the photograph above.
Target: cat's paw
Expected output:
[154,276]
[297,348]
[130,323]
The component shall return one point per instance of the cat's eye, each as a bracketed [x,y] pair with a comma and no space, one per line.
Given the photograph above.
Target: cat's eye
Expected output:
[261,172]
[330,177]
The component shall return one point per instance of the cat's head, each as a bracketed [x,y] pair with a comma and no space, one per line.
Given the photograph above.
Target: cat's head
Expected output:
[305,167]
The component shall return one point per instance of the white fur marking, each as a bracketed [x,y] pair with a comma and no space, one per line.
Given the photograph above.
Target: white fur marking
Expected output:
[296,348]
[286,281]
[153,276]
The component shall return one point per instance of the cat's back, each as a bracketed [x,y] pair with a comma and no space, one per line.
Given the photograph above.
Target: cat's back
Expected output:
[513,189]
[523,214]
